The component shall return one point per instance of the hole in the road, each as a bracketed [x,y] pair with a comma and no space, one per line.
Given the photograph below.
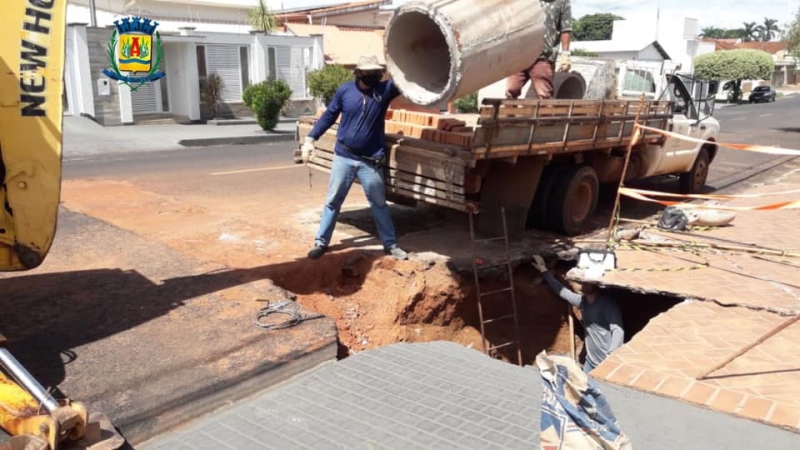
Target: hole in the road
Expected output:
[377,301]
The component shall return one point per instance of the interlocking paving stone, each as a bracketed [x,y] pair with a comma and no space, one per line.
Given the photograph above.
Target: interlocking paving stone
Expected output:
[501,410]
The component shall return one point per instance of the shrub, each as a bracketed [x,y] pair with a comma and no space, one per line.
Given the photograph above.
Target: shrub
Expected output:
[212,92]
[740,64]
[467,104]
[324,82]
[266,99]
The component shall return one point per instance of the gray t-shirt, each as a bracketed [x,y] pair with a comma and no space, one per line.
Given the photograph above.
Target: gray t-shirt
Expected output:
[601,319]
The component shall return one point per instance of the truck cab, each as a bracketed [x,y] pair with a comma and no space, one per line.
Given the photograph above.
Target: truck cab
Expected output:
[693,118]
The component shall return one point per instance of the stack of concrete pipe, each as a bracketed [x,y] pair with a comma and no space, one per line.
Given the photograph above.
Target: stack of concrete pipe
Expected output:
[441,50]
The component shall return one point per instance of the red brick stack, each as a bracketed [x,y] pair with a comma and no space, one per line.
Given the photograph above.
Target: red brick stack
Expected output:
[427,126]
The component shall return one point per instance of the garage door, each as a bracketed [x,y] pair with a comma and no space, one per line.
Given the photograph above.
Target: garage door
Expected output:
[146,98]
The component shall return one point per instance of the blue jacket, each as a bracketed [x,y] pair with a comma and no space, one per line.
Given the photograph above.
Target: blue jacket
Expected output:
[361,133]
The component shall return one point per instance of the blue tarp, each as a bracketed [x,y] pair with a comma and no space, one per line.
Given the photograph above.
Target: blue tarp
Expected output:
[575,414]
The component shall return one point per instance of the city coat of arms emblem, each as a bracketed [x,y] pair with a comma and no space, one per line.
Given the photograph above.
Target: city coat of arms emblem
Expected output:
[135,48]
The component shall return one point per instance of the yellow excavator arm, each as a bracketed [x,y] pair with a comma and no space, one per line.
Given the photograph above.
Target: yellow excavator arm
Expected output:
[31,114]
[32,52]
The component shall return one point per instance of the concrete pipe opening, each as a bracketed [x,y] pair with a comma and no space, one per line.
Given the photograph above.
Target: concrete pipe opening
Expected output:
[419,57]
[569,86]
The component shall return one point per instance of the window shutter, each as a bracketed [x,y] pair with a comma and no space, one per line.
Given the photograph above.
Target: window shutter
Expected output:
[224,61]
[291,69]
[144,99]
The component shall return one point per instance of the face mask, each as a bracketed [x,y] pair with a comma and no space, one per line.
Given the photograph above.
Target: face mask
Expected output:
[371,79]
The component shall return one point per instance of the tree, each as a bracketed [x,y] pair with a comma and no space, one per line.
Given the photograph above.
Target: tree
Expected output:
[768,30]
[584,53]
[736,65]
[712,33]
[749,32]
[594,27]
[324,82]
[261,18]
[792,36]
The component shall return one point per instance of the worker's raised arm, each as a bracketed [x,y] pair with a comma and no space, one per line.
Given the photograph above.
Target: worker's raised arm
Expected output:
[565,24]
[328,118]
[573,298]
[394,91]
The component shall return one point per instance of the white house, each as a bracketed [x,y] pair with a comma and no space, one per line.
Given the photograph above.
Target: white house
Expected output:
[198,41]
[666,38]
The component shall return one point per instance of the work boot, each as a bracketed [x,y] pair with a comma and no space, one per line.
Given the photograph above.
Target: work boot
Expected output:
[317,251]
[396,252]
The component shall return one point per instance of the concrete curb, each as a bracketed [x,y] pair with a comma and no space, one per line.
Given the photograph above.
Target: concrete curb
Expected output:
[279,136]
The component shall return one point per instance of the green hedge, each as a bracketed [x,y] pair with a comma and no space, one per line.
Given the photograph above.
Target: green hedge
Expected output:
[324,82]
[266,99]
[738,64]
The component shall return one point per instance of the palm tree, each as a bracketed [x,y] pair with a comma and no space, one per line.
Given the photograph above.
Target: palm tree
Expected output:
[711,33]
[261,18]
[768,30]
[749,32]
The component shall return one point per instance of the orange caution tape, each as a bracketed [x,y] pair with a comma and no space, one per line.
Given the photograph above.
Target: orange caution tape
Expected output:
[791,204]
[709,196]
[746,147]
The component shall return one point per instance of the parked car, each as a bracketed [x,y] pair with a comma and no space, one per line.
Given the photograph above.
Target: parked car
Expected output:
[763,94]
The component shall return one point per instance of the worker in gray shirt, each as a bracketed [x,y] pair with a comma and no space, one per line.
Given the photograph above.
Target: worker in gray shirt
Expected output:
[601,317]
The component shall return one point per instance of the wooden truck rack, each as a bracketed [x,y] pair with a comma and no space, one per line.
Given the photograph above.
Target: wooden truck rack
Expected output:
[437,173]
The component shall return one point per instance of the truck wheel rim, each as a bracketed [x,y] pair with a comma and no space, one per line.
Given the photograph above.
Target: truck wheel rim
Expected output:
[583,202]
[700,175]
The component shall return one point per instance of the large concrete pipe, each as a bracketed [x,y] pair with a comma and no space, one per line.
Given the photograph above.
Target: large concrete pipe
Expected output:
[441,50]
[566,86]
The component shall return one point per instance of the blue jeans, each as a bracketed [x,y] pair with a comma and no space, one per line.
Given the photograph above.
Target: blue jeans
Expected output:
[587,367]
[344,172]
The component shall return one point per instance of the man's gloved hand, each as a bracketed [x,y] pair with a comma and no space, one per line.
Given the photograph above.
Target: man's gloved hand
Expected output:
[564,62]
[538,264]
[307,149]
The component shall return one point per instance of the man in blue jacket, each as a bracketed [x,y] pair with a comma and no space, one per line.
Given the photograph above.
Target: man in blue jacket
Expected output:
[359,152]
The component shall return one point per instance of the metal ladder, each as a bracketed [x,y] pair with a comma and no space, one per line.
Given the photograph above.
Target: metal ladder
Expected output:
[477,265]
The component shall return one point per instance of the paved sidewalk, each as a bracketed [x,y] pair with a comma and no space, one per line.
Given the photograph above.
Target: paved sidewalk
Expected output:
[739,298]
[83,137]
[441,395]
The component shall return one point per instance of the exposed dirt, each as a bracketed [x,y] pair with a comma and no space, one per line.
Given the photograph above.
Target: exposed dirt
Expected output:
[374,299]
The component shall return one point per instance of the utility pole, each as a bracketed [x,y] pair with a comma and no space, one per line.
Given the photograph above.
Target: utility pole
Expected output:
[92,13]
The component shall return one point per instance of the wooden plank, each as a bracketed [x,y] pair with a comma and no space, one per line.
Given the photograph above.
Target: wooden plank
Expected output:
[508,151]
[423,190]
[435,148]
[427,199]
[407,190]
[427,182]
[400,158]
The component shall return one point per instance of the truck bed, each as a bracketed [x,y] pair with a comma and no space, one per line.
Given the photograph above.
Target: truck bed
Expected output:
[430,162]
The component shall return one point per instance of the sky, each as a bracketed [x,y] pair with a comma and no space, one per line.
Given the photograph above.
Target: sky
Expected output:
[718,13]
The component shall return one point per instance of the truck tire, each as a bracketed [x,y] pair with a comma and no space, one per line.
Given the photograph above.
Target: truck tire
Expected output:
[573,201]
[694,180]
[537,215]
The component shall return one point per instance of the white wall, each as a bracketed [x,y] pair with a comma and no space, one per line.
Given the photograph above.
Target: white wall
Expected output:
[176,77]
[676,34]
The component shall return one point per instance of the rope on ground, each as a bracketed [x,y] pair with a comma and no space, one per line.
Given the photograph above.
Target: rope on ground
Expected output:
[286,307]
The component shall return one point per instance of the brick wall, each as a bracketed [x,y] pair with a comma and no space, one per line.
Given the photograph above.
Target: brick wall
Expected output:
[106,108]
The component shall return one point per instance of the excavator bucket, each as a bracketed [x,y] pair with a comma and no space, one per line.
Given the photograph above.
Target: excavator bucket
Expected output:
[34,417]
[31,109]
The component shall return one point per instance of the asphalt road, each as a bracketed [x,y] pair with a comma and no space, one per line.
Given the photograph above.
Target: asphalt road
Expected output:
[240,166]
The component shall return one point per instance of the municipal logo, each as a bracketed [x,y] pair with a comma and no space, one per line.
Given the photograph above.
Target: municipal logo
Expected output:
[135,51]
